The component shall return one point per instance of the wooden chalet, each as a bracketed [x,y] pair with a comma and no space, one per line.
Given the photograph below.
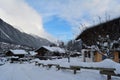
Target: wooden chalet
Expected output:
[19,53]
[50,51]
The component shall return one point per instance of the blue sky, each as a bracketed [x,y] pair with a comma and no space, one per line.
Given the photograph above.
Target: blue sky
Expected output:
[65,19]
[59,28]
[53,24]
[57,19]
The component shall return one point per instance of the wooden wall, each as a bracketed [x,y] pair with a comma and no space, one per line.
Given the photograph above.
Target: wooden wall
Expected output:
[97,57]
[116,56]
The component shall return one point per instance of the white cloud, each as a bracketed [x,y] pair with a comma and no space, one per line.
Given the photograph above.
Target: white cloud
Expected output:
[78,12]
[19,14]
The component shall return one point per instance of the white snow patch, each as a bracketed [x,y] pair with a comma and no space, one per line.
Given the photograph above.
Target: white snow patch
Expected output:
[32,53]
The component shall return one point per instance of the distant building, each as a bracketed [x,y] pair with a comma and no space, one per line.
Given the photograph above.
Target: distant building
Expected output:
[17,52]
[50,51]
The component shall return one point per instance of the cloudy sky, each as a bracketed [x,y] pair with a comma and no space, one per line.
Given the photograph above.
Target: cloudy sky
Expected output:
[61,19]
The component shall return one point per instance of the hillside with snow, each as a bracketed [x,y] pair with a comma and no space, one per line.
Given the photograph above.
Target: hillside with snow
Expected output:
[11,35]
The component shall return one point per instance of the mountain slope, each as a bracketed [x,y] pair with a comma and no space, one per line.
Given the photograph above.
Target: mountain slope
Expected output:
[12,35]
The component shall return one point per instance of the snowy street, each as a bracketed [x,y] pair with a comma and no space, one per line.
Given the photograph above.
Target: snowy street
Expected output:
[26,71]
[31,72]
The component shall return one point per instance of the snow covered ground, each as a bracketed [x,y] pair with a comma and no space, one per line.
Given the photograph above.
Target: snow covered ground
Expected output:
[27,71]
[107,63]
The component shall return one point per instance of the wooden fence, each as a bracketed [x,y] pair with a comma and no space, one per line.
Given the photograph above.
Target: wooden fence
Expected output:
[104,71]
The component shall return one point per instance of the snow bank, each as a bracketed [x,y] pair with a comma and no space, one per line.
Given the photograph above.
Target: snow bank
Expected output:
[107,63]
[2,60]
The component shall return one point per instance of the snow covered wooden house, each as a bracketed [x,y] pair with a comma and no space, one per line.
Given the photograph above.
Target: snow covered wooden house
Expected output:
[19,53]
[50,51]
[90,37]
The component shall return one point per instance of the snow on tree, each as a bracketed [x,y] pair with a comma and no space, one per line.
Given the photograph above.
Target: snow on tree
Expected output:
[105,45]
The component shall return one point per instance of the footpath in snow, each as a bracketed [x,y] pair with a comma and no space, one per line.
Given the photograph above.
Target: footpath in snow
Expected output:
[26,71]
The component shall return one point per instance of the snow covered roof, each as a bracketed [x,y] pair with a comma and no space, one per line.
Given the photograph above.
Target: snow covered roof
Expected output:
[54,49]
[18,51]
